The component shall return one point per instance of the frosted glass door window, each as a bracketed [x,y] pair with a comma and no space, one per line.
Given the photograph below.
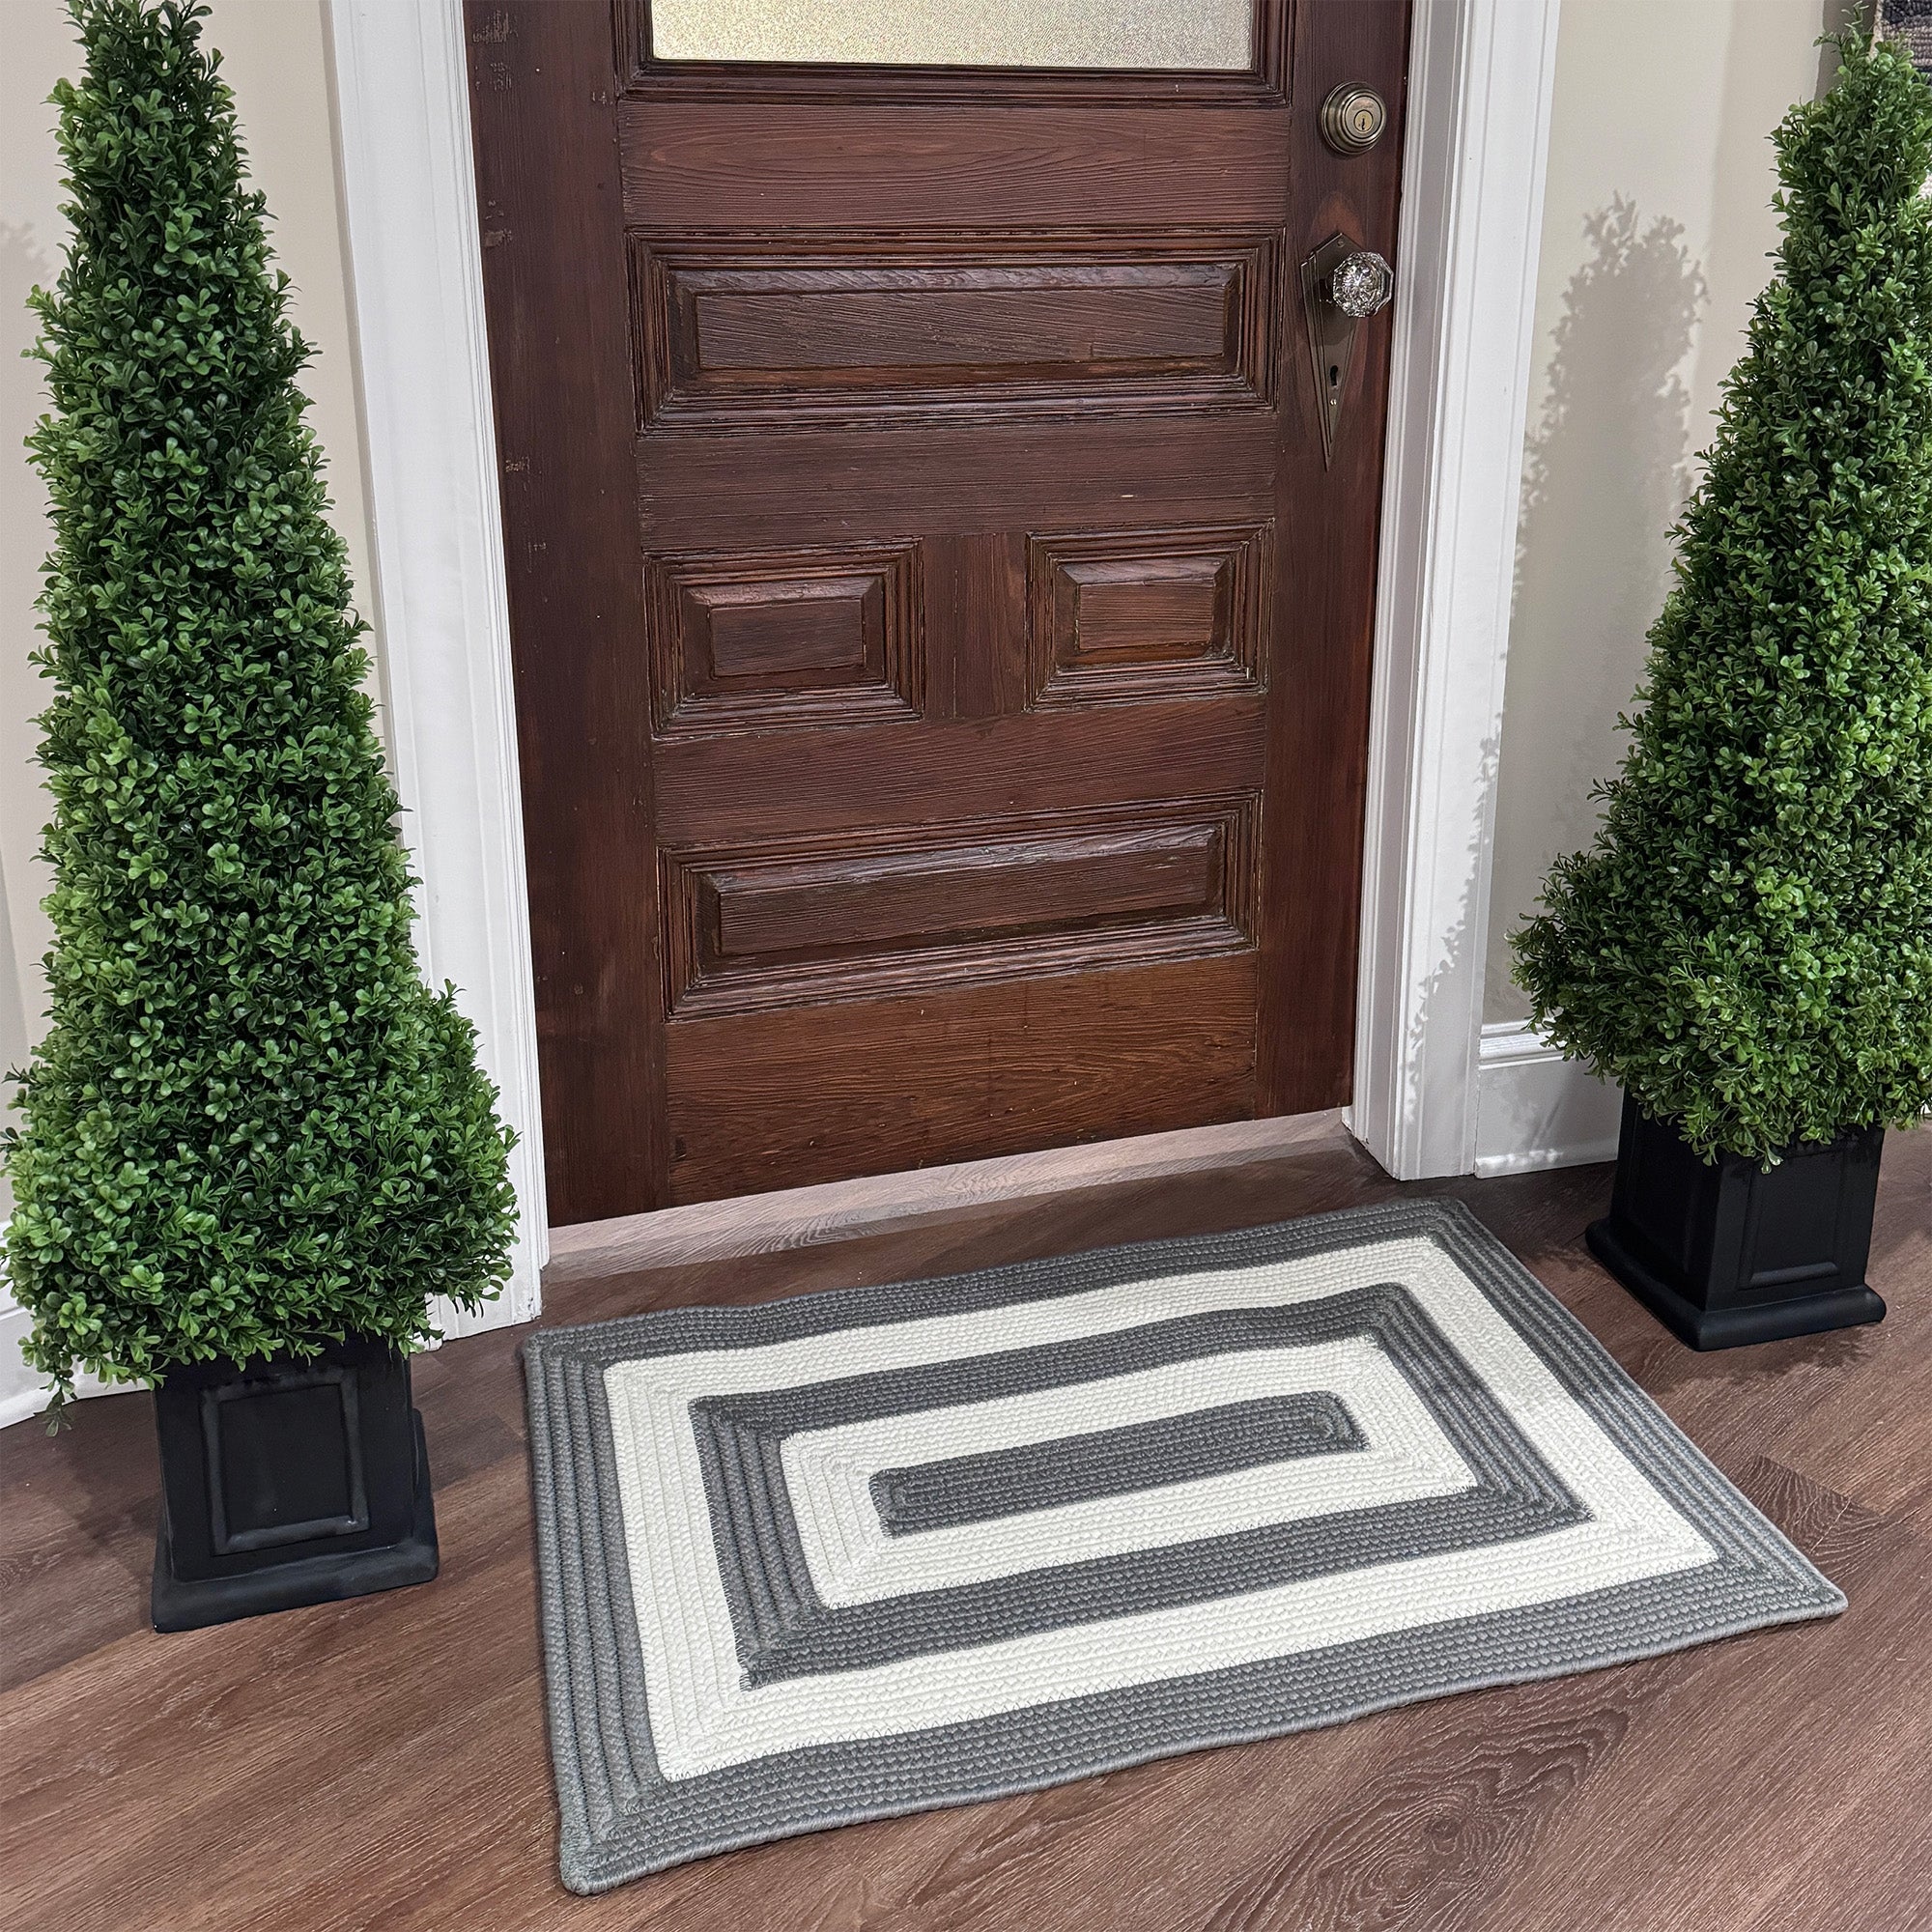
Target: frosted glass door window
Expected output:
[1200,35]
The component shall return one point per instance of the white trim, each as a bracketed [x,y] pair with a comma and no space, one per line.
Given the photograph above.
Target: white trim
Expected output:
[1481,77]
[1535,1109]
[416,297]
[23,1391]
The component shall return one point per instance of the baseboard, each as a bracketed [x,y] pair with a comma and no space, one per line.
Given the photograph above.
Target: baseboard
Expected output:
[838,1210]
[23,1391]
[1535,1109]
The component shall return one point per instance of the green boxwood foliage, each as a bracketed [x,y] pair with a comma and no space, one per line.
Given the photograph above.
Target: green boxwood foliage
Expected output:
[250,1127]
[1748,947]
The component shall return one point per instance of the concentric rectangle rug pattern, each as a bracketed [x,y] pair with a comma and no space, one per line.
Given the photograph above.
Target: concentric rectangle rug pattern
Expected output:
[882,1549]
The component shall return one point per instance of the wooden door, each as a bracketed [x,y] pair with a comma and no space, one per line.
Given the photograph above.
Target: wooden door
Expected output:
[942,647]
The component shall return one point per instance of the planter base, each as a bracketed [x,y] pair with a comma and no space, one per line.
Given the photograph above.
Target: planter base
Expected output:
[181,1603]
[1729,1327]
[1725,1252]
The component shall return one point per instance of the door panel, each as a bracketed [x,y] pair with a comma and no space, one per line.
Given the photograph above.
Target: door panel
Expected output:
[888,327]
[1167,470]
[713,789]
[1126,616]
[786,639]
[942,648]
[849,914]
[781,1100]
[733,165]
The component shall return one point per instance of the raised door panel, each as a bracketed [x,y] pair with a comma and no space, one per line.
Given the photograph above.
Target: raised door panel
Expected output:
[788,332]
[1133,615]
[801,922]
[784,640]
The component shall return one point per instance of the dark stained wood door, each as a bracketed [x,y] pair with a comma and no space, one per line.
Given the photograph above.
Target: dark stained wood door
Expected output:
[942,650]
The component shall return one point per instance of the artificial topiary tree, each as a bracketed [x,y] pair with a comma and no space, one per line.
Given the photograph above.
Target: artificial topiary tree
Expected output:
[249,1128]
[1748,947]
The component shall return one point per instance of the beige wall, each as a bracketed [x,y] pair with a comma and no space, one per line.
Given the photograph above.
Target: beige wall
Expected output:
[275,59]
[1655,226]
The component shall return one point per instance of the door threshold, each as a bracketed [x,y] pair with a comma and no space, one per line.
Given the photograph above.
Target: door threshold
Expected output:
[838,1210]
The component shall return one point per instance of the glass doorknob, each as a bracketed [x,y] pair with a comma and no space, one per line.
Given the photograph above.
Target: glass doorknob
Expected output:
[1361,283]
[1341,284]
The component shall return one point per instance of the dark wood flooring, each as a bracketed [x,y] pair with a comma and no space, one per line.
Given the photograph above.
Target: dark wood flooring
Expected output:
[382,1763]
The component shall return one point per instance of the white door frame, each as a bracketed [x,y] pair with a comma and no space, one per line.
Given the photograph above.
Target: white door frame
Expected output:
[1481,74]
[439,602]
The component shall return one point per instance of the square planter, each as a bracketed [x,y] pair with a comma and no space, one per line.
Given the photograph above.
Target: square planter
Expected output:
[1724,1252]
[289,1483]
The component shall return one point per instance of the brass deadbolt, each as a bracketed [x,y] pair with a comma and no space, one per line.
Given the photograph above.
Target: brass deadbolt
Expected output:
[1352,118]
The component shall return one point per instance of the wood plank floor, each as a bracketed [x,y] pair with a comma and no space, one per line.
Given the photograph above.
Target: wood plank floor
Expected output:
[382,1763]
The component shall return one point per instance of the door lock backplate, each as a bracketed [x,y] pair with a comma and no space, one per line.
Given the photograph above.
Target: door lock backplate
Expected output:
[1341,284]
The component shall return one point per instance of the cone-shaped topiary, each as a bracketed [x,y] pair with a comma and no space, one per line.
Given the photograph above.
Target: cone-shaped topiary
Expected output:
[249,1127]
[1748,947]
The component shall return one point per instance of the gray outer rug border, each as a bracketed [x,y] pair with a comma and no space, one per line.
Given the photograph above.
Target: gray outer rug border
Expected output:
[620,1821]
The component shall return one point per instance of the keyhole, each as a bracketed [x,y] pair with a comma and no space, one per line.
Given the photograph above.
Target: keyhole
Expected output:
[1335,375]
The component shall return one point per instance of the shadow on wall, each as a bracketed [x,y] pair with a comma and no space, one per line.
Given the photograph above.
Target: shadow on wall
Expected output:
[1606,469]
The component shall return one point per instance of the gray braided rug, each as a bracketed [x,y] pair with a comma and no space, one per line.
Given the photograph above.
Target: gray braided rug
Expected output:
[864,1552]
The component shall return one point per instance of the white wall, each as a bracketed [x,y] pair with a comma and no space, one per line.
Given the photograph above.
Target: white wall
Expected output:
[1656,223]
[275,58]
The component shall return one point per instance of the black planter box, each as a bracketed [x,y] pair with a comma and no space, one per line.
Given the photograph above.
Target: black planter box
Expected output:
[1724,1252]
[289,1483]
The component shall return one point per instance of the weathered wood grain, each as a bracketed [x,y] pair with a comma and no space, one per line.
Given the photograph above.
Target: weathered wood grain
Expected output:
[904,458]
